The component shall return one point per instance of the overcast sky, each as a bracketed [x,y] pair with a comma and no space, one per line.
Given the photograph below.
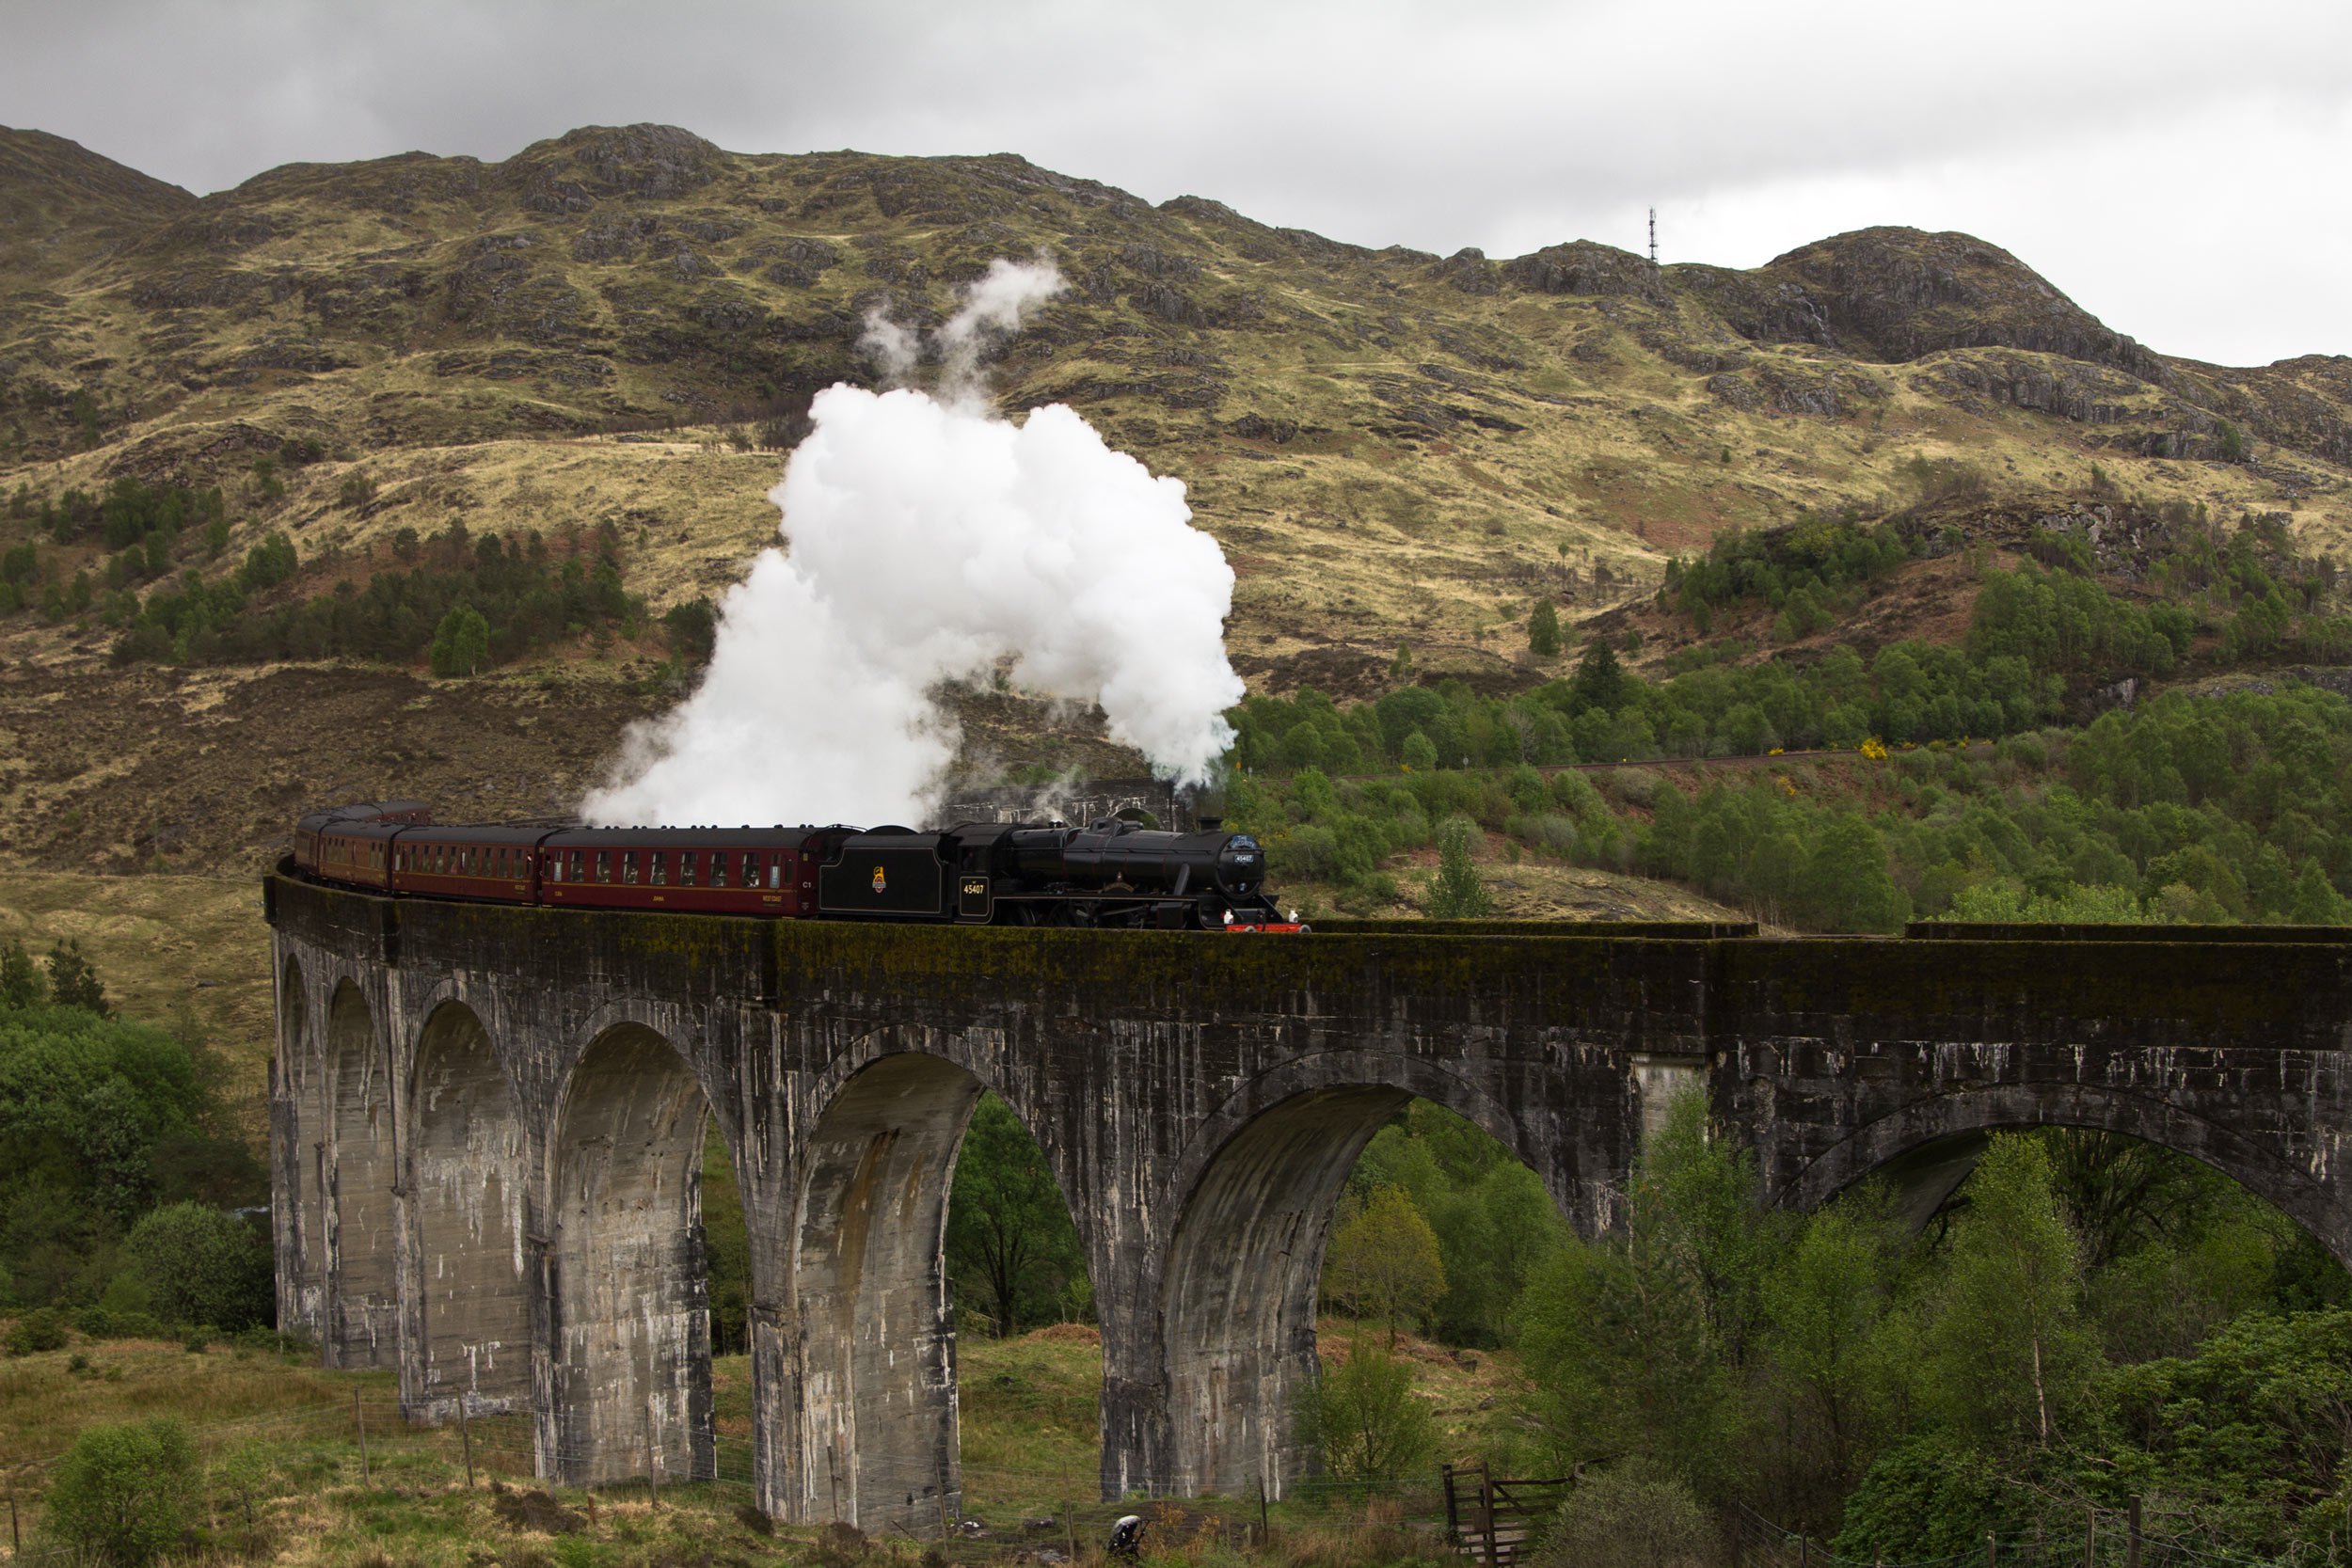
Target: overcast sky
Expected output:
[2179,169]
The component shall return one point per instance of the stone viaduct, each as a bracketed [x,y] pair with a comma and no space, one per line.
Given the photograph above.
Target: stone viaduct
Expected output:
[487,1127]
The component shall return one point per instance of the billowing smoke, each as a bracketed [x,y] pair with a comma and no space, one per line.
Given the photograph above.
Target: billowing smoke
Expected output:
[931,541]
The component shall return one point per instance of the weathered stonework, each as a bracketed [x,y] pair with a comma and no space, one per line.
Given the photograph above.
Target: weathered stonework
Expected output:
[487,1128]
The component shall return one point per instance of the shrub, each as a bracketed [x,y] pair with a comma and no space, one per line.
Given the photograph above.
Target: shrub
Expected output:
[203,1266]
[106,1322]
[1624,1518]
[123,1493]
[36,1332]
[1364,1416]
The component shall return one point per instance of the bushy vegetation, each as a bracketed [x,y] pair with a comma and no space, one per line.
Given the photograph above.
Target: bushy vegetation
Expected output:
[1808,571]
[115,1165]
[139,527]
[2044,1348]
[123,1496]
[458,600]
[2221,809]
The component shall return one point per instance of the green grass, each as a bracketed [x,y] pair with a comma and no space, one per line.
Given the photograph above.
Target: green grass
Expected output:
[284,1481]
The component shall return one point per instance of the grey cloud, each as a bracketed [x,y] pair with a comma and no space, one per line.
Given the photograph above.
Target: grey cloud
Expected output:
[1498,124]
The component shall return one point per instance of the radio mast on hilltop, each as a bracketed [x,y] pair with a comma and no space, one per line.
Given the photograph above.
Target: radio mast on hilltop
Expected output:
[1652,236]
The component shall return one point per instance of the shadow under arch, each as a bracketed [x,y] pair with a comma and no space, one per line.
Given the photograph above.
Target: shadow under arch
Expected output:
[357,1171]
[628,1288]
[875,1345]
[470,1205]
[1926,1150]
[1238,1291]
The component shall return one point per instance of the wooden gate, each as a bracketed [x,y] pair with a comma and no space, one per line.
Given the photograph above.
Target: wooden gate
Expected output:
[1493,1520]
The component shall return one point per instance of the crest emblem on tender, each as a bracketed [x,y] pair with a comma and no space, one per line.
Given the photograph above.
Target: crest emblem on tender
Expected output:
[880,885]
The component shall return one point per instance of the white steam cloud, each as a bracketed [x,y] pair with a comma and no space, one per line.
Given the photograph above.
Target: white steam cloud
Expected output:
[931,541]
[993,307]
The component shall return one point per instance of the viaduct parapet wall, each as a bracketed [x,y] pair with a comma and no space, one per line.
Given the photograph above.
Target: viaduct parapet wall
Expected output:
[488,1128]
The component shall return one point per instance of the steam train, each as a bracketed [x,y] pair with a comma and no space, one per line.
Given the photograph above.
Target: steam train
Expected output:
[1110,873]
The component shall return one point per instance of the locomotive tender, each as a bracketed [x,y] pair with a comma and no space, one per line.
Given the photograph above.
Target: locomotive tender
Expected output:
[1110,873]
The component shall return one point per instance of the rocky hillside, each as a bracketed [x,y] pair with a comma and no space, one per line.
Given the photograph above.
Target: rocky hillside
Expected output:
[621,326]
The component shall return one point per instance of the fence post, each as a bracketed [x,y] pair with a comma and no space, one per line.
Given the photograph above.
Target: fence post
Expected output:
[2090,1536]
[1265,1528]
[1486,1512]
[360,1420]
[1804,1549]
[465,1435]
[2131,1549]
[1452,1519]
[1992,1550]
[16,1543]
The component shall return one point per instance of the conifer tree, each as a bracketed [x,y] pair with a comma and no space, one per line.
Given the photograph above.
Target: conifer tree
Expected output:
[20,984]
[73,981]
[1456,892]
[1543,630]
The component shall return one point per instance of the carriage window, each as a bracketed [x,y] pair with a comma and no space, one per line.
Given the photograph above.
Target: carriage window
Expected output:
[718,868]
[659,868]
[555,866]
[751,869]
[629,865]
[775,871]
[580,865]
[686,867]
[604,865]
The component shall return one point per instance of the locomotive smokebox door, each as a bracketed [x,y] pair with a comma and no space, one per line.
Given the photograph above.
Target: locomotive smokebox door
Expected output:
[972,898]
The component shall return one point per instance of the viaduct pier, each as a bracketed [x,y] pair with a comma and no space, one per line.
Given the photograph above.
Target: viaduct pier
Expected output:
[487,1126]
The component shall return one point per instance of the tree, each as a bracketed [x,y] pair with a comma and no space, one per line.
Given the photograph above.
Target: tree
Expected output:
[1419,753]
[1456,892]
[201,1267]
[20,984]
[1365,1418]
[2317,900]
[461,644]
[2009,1360]
[1011,1250]
[1384,1263]
[1837,1347]
[1600,681]
[1543,630]
[1847,885]
[693,628]
[123,1493]
[73,981]
[1621,1337]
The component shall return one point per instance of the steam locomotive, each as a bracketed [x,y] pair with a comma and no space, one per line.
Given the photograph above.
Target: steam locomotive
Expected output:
[1109,873]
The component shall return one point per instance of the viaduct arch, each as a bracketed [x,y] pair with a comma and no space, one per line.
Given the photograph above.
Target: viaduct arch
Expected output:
[487,1125]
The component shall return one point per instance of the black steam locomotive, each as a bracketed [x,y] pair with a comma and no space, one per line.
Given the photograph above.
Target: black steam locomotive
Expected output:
[1109,873]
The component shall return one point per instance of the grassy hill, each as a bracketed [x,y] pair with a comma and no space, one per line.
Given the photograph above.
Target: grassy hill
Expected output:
[609,341]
